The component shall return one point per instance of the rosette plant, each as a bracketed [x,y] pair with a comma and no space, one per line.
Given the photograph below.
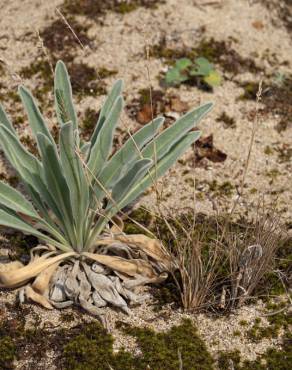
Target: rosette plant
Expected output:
[74,191]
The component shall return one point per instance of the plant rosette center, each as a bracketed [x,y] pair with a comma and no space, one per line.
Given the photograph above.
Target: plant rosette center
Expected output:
[107,275]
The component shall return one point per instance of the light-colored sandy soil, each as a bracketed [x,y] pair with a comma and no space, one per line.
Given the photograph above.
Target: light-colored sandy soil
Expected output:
[219,333]
[119,44]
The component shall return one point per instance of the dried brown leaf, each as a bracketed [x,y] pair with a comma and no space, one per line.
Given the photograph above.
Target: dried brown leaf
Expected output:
[132,268]
[37,298]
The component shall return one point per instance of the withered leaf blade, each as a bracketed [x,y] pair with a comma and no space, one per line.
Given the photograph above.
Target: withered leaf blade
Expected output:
[130,267]
[152,247]
[37,298]
[12,278]
[42,281]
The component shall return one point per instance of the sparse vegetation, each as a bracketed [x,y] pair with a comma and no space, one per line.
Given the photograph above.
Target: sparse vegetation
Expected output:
[204,248]
[201,71]
[278,318]
[216,264]
[272,359]
[76,190]
[276,99]
[86,345]
[95,9]
[216,52]
[158,350]
[228,122]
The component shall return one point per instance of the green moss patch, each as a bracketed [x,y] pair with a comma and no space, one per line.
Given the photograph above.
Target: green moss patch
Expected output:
[13,338]
[161,350]
[7,352]
[91,348]
[141,216]
[228,122]
[278,320]
[272,359]
[61,41]
[276,97]
[94,9]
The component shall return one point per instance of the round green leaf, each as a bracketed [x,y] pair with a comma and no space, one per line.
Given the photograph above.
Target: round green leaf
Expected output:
[183,63]
[213,79]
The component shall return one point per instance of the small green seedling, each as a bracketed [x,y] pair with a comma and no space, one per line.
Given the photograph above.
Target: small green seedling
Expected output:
[279,78]
[199,70]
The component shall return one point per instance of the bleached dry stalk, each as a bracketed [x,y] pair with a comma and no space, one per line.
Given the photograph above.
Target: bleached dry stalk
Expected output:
[252,253]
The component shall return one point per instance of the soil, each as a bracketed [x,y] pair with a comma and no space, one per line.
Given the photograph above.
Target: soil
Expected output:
[249,43]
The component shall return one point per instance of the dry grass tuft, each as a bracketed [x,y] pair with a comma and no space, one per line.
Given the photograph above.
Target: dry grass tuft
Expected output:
[220,264]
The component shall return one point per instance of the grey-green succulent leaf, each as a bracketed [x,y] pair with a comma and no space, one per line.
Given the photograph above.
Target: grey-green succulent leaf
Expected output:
[106,108]
[77,187]
[11,198]
[63,96]
[23,161]
[122,189]
[102,147]
[131,178]
[75,177]
[124,158]
[35,118]
[57,184]
[15,222]
[175,132]
[4,120]
[85,149]
[29,169]
[161,167]
[139,186]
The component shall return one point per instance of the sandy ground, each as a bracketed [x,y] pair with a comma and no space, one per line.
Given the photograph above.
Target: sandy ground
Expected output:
[219,333]
[119,44]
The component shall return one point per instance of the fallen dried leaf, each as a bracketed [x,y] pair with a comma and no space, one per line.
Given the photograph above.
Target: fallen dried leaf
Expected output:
[37,298]
[178,105]
[12,278]
[43,279]
[258,25]
[145,114]
[152,247]
[131,268]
